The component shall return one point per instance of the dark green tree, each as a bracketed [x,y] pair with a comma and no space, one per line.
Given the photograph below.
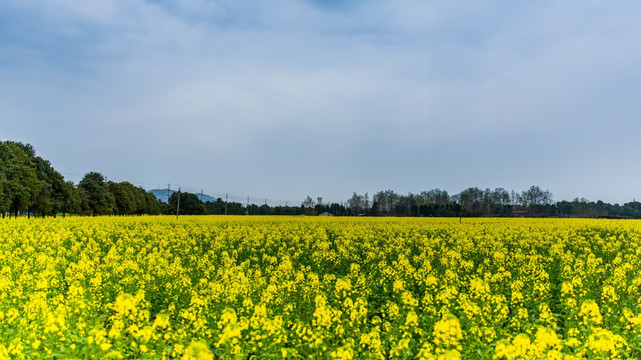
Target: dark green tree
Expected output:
[75,200]
[48,200]
[190,204]
[19,185]
[132,200]
[101,201]
[472,200]
[308,204]
[123,198]
[385,202]
[51,199]
[153,206]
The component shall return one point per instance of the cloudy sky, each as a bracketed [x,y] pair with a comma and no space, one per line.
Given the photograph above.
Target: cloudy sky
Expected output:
[282,99]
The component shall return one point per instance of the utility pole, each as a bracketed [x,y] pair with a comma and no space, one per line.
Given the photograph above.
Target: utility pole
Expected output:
[226,195]
[168,191]
[201,194]
[247,210]
[178,204]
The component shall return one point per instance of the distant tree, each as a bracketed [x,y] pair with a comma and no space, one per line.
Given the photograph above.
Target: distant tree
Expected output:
[75,201]
[564,208]
[190,204]
[215,207]
[52,197]
[337,209]
[578,206]
[632,209]
[385,202]
[138,197]
[357,204]
[308,202]
[130,199]
[403,206]
[501,196]
[536,196]
[515,198]
[153,206]
[235,208]
[473,200]
[308,206]
[123,198]
[5,200]
[435,196]
[101,200]
[19,185]
[320,207]
[49,199]
[600,207]
[500,203]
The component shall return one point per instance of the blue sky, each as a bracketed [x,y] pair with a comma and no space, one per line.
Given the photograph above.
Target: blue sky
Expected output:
[284,99]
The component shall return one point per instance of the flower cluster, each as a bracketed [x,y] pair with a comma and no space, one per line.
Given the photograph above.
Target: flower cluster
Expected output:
[229,287]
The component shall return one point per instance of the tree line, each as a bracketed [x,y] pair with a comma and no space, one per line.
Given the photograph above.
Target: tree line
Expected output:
[30,185]
[473,201]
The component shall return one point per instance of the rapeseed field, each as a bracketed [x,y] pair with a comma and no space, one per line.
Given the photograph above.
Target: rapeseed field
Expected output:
[319,288]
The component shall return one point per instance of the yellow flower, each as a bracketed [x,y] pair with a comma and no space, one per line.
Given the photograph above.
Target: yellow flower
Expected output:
[590,313]
[114,355]
[197,351]
[125,303]
[447,332]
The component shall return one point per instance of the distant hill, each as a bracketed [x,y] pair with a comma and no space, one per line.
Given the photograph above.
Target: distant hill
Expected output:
[163,195]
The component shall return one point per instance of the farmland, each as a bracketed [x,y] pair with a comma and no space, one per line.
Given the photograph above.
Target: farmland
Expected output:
[317,288]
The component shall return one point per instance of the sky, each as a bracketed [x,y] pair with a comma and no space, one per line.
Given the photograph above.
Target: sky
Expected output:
[282,99]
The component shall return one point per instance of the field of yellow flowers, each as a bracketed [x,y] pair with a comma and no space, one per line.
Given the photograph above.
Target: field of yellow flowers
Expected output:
[319,288]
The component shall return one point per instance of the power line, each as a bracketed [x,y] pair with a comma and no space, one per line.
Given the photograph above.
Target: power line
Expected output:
[229,197]
[248,199]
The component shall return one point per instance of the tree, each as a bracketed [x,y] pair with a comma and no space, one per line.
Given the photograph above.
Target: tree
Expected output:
[30,183]
[500,196]
[51,199]
[435,196]
[130,199]
[75,200]
[190,204]
[123,198]
[308,202]
[101,200]
[358,204]
[515,198]
[308,206]
[19,185]
[403,206]
[386,202]
[4,182]
[535,196]
[500,203]
[473,200]
[153,206]
[564,208]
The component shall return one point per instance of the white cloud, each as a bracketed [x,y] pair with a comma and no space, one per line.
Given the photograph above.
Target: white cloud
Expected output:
[360,90]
